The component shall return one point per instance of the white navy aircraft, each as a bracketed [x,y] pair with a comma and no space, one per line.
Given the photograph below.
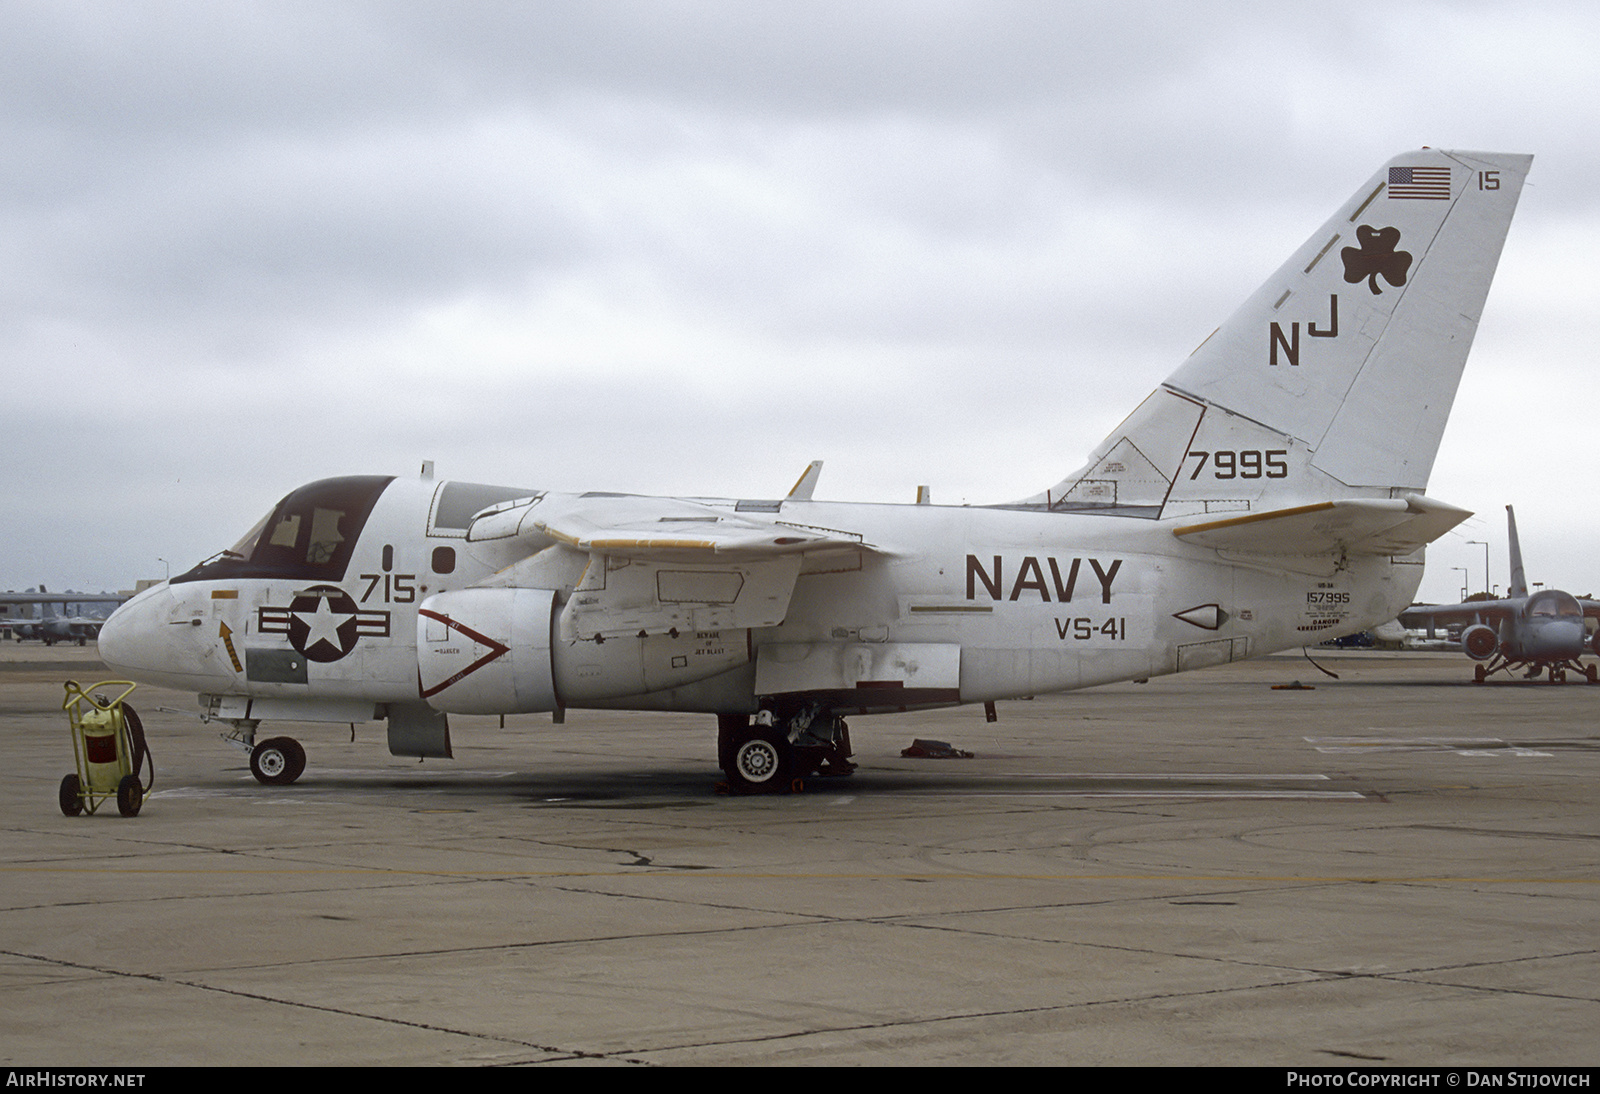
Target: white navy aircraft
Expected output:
[1268,494]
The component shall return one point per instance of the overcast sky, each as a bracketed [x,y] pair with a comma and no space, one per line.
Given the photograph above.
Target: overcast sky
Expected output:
[688,247]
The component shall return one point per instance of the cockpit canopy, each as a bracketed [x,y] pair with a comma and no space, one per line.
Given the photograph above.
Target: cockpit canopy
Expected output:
[309,535]
[1553,602]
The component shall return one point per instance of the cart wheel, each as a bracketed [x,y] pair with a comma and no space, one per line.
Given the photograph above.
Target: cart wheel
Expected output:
[71,799]
[130,795]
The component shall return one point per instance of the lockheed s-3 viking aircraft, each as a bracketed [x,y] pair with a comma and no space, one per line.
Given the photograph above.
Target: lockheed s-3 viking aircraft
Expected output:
[1268,494]
[1544,632]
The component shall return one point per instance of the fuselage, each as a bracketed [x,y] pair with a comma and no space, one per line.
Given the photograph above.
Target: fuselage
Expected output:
[328,600]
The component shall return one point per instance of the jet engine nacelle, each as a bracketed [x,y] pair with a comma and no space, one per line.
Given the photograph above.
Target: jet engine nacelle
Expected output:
[487,651]
[1480,642]
[498,651]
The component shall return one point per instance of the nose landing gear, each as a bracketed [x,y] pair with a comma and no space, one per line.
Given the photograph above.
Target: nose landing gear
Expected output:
[277,761]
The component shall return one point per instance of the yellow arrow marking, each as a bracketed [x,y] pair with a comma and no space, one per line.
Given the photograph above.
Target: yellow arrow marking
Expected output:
[227,642]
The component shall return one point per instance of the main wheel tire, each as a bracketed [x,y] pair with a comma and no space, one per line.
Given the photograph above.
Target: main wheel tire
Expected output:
[130,796]
[277,761]
[762,760]
[730,730]
[71,796]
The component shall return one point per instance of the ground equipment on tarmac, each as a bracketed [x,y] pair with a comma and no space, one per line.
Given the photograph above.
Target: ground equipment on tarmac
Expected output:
[108,744]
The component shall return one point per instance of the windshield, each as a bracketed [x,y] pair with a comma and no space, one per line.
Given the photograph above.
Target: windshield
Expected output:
[1554,602]
[309,535]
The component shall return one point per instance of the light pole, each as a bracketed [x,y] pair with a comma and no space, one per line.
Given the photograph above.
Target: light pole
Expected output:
[1463,572]
[1485,547]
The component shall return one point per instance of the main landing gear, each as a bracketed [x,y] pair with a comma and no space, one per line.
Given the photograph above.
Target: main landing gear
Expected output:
[777,750]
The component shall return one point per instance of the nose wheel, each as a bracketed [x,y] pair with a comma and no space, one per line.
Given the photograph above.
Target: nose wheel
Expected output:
[277,761]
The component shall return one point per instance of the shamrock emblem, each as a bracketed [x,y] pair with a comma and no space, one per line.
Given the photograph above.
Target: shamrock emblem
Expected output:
[1376,256]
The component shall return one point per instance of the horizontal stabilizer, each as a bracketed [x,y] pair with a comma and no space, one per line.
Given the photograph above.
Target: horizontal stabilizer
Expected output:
[1360,526]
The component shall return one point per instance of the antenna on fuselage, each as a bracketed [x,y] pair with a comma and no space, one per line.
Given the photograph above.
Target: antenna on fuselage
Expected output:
[427,469]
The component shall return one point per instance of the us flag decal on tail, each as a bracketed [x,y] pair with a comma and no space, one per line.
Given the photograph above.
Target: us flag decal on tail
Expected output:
[1426,183]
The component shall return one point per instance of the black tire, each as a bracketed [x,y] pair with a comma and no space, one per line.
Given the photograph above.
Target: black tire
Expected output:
[277,761]
[297,758]
[71,796]
[136,744]
[130,796]
[762,760]
[730,730]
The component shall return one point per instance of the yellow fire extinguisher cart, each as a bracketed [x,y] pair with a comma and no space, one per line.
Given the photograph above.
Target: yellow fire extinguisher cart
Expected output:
[108,742]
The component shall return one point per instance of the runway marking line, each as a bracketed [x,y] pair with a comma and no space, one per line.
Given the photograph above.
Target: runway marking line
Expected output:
[738,875]
[1459,746]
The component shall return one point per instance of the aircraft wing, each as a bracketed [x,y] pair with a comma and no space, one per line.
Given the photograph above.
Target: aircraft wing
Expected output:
[1357,526]
[667,529]
[659,565]
[672,528]
[1472,611]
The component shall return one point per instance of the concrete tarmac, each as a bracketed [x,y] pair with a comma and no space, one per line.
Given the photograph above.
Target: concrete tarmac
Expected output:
[1394,868]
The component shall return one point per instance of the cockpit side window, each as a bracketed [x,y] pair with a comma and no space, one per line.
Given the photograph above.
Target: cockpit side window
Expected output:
[310,535]
[286,531]
[325,537]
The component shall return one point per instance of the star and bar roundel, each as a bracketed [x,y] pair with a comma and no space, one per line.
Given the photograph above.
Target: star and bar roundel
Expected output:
[323,623]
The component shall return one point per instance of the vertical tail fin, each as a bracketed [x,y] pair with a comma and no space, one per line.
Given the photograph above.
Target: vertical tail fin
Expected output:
[1519,580]
[1337,375]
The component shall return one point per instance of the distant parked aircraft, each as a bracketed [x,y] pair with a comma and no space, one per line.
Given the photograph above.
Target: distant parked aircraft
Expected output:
[55,628]
[1543,632]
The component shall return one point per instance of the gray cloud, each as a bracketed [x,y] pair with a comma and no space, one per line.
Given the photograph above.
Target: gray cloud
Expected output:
[688,246]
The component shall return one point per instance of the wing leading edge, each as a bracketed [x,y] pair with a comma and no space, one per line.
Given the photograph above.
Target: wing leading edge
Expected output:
[646,565]
[639,527]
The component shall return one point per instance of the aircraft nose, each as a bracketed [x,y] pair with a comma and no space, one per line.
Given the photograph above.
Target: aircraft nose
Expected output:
[1558,638]
[122,637]
[139,640]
